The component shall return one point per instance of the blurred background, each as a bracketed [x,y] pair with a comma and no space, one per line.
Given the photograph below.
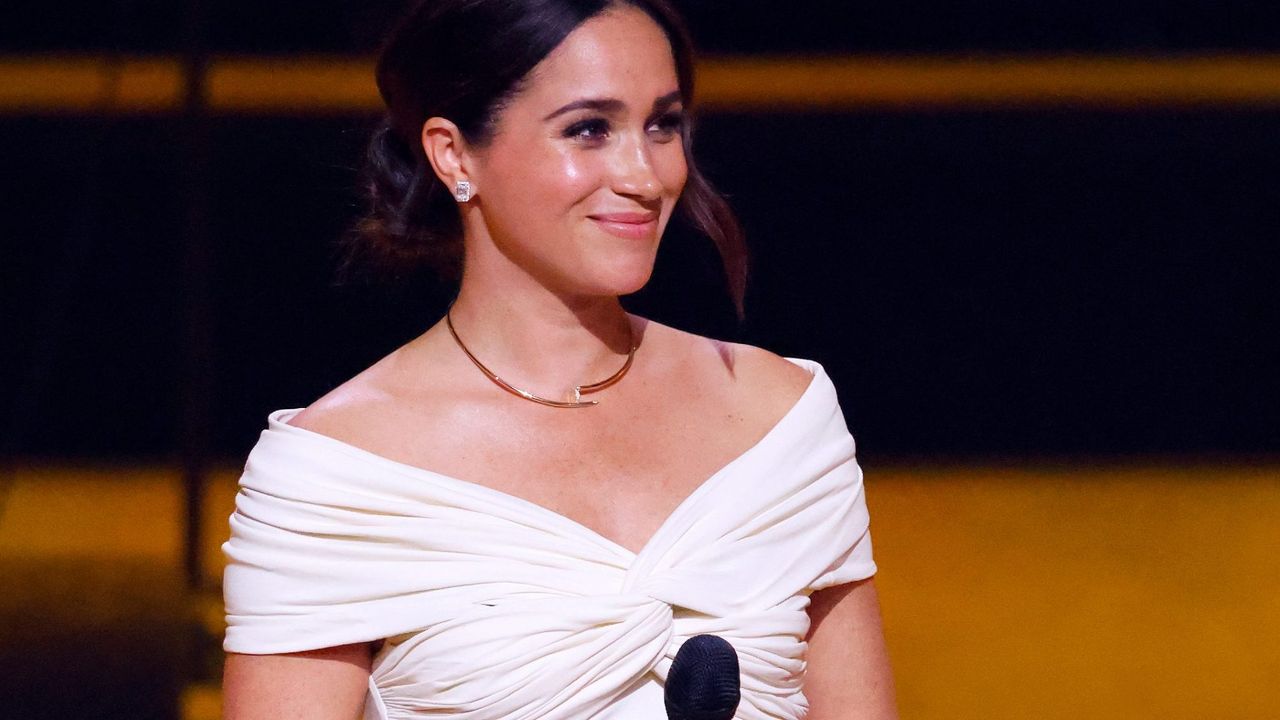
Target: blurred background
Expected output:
[1033,244]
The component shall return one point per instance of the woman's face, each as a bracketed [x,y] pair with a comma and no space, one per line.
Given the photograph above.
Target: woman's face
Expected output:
[587,162]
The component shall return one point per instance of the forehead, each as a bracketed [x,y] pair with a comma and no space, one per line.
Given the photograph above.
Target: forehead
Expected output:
[619,53]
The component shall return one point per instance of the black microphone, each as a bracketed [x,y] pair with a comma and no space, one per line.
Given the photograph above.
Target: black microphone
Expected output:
[704,682]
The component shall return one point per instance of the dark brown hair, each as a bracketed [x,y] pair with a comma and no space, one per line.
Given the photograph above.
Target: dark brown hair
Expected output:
[464,60]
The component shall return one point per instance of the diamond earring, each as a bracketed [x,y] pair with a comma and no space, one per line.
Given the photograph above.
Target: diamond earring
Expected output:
[462,191]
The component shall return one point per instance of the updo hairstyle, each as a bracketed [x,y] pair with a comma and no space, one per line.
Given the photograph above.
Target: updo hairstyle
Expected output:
[464,60]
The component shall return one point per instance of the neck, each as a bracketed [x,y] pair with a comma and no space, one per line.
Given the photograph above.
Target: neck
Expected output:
[542,342]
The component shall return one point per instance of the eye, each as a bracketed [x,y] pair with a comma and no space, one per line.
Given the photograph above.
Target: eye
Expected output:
[589,130]
[668,126]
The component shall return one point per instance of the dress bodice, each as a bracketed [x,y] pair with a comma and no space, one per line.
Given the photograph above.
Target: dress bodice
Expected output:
[493,607]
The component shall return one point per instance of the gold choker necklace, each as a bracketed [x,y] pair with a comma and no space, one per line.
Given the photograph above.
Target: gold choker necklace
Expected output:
[578,391]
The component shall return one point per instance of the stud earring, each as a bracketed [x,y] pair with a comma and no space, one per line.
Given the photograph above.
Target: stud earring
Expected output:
[462,191]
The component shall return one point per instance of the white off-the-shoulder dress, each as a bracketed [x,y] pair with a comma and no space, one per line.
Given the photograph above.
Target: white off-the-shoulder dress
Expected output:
[495,608]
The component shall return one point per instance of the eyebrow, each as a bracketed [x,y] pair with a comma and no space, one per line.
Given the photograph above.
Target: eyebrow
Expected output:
[612,105]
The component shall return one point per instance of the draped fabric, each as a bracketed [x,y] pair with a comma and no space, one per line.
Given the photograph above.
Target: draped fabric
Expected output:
[492,607]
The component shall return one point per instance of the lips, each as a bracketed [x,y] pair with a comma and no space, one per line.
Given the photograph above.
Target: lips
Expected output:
[633,225]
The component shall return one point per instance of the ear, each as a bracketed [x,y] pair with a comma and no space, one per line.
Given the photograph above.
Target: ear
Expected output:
[446,150]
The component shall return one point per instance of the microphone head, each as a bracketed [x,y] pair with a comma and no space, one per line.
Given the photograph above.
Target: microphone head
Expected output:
[704,682]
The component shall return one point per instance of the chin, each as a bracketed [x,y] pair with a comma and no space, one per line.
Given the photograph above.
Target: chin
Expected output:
[622,280]
[633,287]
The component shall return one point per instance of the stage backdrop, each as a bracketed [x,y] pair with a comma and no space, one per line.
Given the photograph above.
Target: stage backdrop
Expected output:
[981,281]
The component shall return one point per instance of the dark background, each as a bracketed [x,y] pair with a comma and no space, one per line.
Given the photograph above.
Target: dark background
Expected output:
[738,26]
[978,282]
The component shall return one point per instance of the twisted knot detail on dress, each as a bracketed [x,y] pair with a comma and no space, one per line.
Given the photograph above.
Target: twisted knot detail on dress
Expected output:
[492,607]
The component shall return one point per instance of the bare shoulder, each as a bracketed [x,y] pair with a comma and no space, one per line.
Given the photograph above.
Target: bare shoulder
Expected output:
[770,383]
[345,412]
[764,369]
[761,382]
[365,410]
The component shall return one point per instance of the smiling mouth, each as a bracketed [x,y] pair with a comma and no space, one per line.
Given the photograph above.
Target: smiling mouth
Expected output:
[627,225]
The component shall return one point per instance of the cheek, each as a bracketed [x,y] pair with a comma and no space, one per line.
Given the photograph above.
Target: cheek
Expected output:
[531,177]
[570,177]
[672,169]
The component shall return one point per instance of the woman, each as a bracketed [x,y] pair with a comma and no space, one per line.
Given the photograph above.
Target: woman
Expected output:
[525,511]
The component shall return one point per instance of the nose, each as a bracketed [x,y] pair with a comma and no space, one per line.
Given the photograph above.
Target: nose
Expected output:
[634,174]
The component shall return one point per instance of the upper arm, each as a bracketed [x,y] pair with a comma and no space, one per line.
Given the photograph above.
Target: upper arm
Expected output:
[327,684]
[847,673]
